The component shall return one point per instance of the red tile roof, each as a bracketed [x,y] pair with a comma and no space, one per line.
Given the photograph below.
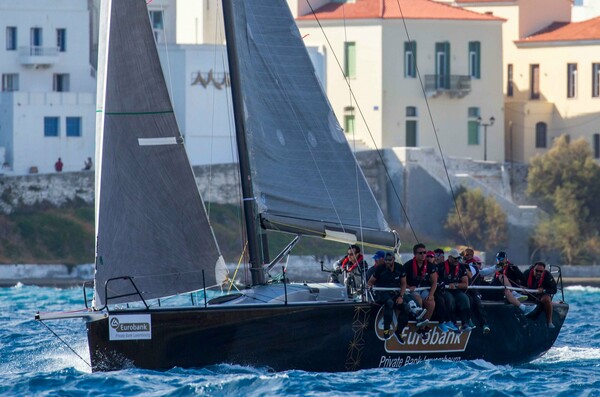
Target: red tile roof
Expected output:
[485,1]
[388,9]
[567,31]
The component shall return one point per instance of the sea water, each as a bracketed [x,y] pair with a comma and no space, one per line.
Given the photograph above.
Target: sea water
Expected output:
[34,362]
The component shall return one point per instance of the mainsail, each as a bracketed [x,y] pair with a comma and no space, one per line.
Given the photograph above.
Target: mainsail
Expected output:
[305,177]
[151,224]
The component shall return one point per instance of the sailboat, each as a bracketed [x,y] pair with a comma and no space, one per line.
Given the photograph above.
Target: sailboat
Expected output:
[154,238]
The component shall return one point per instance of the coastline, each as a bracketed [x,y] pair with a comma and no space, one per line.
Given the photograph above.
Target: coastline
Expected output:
[301,268]
[76,282]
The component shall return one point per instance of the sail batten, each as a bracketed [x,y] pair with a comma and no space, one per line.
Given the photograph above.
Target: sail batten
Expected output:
[151,226]
[303,171]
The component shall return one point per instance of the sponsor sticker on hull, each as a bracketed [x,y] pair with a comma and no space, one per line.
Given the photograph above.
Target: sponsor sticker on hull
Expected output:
[436,342]
[129,327]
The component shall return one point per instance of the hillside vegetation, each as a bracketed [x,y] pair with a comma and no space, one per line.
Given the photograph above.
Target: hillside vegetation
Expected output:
[66,235]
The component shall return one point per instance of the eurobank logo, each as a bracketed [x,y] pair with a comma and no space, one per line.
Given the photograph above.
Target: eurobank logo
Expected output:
[437,342]
[130,327]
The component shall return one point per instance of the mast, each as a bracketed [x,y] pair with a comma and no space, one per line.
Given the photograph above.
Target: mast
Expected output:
[249,203]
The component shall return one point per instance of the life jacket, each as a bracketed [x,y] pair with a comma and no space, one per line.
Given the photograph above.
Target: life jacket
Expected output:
[504,270]
[346,261]
[447,268]
[531,280]
[415,269]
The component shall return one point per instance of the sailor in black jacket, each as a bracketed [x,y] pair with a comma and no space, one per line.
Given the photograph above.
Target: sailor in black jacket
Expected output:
[540,279]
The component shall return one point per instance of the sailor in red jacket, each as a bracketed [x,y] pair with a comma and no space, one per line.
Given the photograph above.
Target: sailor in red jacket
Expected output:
[354,268]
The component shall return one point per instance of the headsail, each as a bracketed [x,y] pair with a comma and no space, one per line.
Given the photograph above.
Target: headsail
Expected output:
[151,224]
[305,177]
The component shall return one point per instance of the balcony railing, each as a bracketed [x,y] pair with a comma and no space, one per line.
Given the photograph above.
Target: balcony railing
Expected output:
[453,85]
[38,56]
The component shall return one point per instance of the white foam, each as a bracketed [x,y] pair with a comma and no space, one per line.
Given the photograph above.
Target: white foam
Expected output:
[582,288]
[567,353]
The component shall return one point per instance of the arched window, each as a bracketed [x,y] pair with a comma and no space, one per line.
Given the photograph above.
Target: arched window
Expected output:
[541,138]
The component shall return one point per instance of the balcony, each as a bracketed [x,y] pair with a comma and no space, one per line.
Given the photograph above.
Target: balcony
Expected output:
[38,57]
[453,85]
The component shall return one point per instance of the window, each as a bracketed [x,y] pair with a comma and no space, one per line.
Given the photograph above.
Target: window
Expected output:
[473,126]
[36,37]
[61,83]
[11,38]
[410,59]
[597,146]
[595,80]
[442,65]
[411,133]
[61,39]
[51,126]
[349,124]
[10,82]
[534,77]
[509,80]
[73,126]
[411,126]
[541,140]
[475,59]
[571,80]
[156,20]
[350,59]
[473,113]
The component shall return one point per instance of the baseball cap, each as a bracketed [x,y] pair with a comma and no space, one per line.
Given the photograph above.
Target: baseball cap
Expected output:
[454,253]
[379,255]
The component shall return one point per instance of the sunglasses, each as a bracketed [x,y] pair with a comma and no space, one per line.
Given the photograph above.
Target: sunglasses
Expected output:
[539,271]
[421,252]
[430,256]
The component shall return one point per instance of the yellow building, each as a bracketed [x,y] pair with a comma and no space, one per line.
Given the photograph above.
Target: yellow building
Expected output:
[551,74]
[397,54]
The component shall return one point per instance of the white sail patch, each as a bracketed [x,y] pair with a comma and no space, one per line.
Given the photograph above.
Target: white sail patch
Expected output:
[341,237]
[171,140]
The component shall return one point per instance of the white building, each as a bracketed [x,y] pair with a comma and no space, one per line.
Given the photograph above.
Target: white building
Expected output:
[197,75]
[585,9]
[48,89]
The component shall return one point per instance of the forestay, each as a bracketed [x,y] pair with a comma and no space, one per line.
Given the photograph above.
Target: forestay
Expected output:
[151,224]
[305,177]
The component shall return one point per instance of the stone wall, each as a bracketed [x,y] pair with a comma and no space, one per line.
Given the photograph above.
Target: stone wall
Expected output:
[217,183]
[419,191]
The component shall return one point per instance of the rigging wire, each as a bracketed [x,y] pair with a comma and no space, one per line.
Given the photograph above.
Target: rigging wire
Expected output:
[379,153]
[356,166]
[64,342]
[218,38]
[437,139]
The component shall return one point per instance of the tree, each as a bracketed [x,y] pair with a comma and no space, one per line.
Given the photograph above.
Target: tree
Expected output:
[483,221]
[565,181]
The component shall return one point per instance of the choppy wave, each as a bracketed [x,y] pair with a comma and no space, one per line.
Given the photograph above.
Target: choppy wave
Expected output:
[583,288]
[34,362]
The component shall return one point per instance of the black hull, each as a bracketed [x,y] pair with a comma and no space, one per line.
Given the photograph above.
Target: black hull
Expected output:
[329,337]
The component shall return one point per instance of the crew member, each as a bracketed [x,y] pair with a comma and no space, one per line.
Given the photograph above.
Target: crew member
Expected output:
[540,279]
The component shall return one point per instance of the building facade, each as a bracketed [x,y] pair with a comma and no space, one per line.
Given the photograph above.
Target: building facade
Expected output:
[397,76]
[47,100]
[550,78]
